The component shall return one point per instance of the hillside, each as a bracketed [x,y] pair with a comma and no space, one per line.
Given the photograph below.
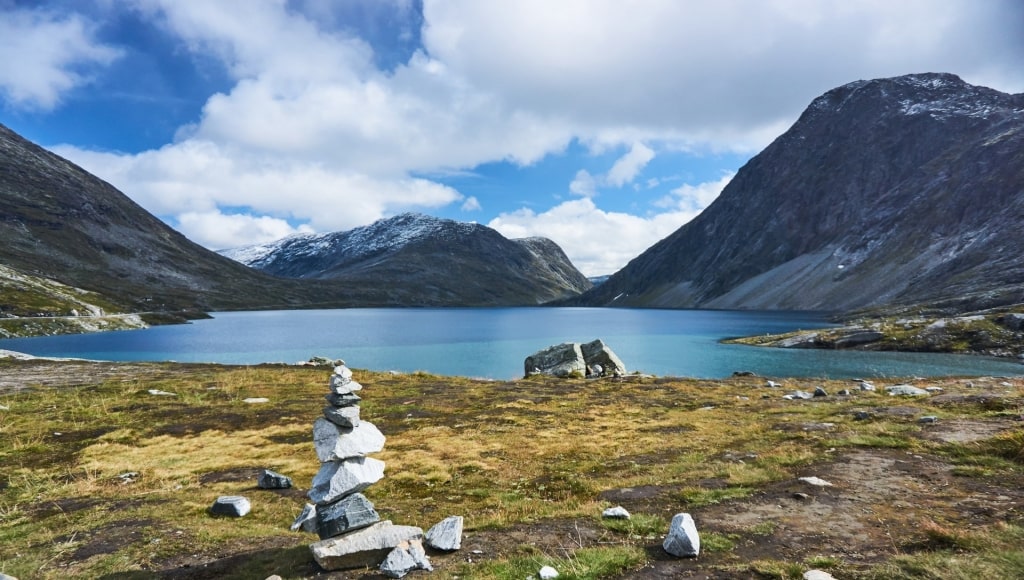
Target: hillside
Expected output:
[423,260]
[889,192]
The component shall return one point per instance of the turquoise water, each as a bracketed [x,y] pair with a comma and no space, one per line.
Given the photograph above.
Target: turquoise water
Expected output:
[492,342]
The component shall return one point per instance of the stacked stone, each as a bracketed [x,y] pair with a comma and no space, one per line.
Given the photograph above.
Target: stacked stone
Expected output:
[350,530]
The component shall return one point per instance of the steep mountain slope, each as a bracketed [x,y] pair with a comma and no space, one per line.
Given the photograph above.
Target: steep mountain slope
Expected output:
[59,222]
[898,191]
[426,260]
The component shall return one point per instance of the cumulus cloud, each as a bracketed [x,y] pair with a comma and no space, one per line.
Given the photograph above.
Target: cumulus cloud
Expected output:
[471,204]
[225,231]
[583,184]
[45,55]
[602,242]
[629,165]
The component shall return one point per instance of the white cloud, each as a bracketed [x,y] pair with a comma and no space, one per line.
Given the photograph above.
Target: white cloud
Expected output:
[471,204]
[629,165]
[601,242]
[583,184]
[225,231]
[45,55]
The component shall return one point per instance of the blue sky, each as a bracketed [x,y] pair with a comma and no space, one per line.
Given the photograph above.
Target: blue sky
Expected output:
[602,124]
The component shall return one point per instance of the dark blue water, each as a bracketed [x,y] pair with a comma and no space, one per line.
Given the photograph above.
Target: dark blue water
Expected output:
[492,342]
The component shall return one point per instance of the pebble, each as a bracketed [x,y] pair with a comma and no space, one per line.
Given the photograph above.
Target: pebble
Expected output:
[548,573]
[160,393]
[252,400]
[617,512]
[815,481]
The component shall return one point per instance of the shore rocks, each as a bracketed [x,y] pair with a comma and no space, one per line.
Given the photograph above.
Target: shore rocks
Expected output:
[350,530]
[593,359]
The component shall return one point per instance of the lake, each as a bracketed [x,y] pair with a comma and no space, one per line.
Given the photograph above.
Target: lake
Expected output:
[492,342]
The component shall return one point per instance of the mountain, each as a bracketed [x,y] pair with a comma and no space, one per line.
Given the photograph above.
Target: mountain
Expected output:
[423,260]
[888,192]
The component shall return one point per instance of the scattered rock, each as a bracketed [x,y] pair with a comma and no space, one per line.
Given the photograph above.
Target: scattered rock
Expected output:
[617,512]
[597,355]
[320,361]
[773,385]
[682,540]
[928,419]
[820,392]
[405,558]
[866,386]
[861,415]
[907,390]
[743,374]
[844,393]
[231,505]
[350,513]
[363,548]
[818,575]
[934,389]
[272,480]
[799,395]
[815,481]
[801,496]
[561,360]
[160,393]
[548,573]
[306,520]
[446,535]
[256,400]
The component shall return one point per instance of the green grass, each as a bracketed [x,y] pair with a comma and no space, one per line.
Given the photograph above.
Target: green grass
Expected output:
[582,564]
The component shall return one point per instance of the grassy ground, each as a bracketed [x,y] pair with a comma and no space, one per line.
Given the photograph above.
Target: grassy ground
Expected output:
[100,479]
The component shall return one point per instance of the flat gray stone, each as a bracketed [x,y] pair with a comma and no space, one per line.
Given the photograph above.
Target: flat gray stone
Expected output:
[346,388]
[345,417]
[405,558]
[815,481]
[306,520]
[907,390]
[334,443]
[273,480]
[343,400]
[682,540]
[800,395]
[617,512]
[350,513]
[336,479]
[818,575]
[446,535]
[363,548]
[235,506]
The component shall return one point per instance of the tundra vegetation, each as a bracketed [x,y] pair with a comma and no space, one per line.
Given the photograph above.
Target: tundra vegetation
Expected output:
[102,479]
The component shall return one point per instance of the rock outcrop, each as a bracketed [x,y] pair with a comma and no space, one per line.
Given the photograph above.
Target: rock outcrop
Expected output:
[572,359]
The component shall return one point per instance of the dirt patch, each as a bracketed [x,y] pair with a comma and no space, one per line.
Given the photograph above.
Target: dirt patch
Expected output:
[109,538]
[966,430]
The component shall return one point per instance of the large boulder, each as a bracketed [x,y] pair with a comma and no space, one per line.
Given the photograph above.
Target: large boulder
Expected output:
[596,352]
[561,360]
[364,548]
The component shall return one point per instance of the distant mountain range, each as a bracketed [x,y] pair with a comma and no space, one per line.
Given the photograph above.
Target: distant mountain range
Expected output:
[425,260]
[890,192]
[60,223]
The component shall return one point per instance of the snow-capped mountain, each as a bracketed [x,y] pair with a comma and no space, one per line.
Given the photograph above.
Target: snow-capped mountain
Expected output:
[426,260]
[899,191]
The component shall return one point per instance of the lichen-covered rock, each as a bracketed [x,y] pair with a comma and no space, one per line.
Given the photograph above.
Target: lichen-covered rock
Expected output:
[560,360]
[596,352]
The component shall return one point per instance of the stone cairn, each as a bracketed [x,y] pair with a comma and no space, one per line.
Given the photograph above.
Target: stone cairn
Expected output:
[351,532]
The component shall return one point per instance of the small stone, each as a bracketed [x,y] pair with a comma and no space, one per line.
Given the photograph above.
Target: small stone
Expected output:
[231,505]
[820,392]
[548,573]
[844,393]
[861,415]
[272,480]
[306,519]
[866,386]
[934,389]
[818,575]
[815,481]
[345,515]
[617,512]
[343,400]
[256,400]
[928,419]
[347,417]
[160,393]
[801,395]
[801,496]
[446,535]
[773,385]
[682,540]
[405,558]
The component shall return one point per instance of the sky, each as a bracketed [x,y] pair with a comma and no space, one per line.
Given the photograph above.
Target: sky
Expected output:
[604,125]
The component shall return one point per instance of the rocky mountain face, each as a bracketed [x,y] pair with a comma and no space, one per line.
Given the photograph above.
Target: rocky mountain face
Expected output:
[422,260]
[889,192]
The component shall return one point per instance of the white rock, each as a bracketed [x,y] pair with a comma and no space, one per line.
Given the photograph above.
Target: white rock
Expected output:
[682,541]
[934,389]
[866,386]
[252,400]
[446,535]
[405,558]
[905,390]
[774,385]
[306,520]
[336,479]
[334,443]
[367,547]
[617,512]
[4,408]
[815,481]
[160,393]
[548,573]
[818,575]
